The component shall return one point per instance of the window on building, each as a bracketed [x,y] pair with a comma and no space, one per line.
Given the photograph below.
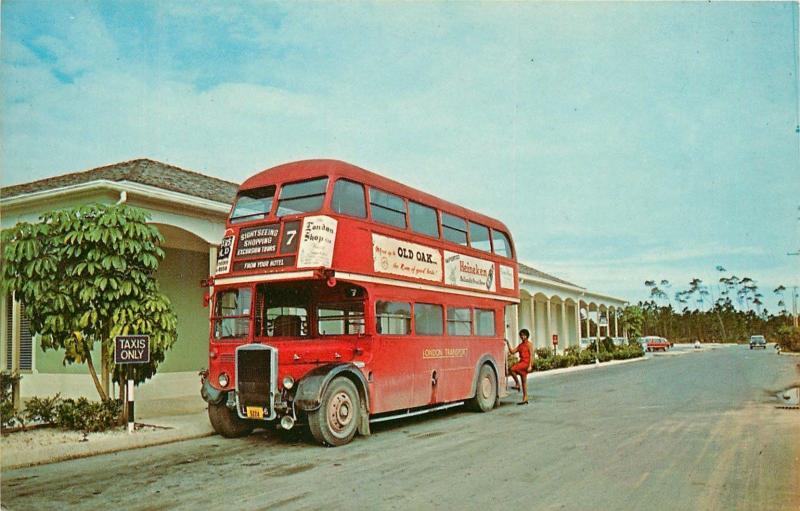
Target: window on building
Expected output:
[302,197]
[348,199]
[253,204]
[25,338]
[454,229]
[393,318]
[423,219]
[340,318]
[479,237]
[459,321]
[484,322]
[428,319]
[502,246]
[387,208]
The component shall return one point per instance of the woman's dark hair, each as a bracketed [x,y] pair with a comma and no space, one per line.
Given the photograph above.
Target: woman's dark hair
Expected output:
[525,332]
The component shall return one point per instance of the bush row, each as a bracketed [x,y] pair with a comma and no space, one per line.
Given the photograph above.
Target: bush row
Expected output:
[788,338]
[574,356]
[70,414]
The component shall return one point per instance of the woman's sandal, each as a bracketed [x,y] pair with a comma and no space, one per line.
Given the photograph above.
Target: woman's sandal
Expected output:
[522,403]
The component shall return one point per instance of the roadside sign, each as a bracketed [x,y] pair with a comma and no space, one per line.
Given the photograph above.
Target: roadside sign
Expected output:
[555,339]
[131,349]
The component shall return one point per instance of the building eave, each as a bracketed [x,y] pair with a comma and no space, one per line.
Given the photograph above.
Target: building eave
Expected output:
[131,188]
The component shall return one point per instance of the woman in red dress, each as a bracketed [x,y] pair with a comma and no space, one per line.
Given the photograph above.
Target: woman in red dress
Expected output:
[525,364]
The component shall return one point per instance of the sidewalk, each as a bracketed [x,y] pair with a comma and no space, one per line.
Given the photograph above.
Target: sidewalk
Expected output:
[50,445]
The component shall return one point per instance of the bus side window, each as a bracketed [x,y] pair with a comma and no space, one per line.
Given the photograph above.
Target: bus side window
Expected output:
[459,321]
[484,322]
[454,229]
[428,319]
[340,318]
[423,219]
[387,208]
[393,318]
[479,237]
[348,199]
[502,246]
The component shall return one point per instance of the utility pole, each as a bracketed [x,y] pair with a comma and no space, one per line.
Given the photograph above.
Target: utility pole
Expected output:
[794,288]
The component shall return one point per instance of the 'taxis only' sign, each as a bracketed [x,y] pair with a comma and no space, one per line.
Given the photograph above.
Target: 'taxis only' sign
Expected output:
[131,349]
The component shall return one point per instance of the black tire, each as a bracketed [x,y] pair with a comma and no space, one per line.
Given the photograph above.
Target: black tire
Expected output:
[227,423]
[485,390]
[335,422]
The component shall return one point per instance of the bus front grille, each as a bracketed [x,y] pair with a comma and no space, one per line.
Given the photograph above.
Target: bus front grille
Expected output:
[254,375]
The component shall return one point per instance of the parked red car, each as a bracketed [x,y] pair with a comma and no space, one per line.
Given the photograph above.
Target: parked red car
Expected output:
[653,343]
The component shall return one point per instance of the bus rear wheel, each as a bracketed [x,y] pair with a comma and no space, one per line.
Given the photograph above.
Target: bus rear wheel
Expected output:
[335,422]
[485,391]
[226,422]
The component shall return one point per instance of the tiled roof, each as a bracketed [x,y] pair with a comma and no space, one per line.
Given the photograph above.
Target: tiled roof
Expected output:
[528,270]
[143,171]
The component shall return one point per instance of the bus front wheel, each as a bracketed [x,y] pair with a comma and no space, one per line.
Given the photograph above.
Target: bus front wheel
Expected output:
[485,391]
[336,420]
[226,422]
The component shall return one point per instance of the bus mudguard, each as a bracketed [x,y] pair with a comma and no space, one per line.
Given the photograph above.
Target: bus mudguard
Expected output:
[210,394]
[308,395]
[484,360]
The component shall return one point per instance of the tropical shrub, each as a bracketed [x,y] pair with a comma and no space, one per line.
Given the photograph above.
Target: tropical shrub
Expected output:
[88,416]
[42,409]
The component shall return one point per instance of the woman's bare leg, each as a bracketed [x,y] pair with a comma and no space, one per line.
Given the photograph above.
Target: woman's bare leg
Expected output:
[524,378]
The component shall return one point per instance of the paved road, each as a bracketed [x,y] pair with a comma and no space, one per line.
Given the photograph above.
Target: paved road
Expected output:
[696,431]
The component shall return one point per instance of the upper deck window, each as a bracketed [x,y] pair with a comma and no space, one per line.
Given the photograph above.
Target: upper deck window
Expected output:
[455,229]
[502,246]
[302,197]
[253,204]
[423,219]
[348,199]
[479,237]
[387,208]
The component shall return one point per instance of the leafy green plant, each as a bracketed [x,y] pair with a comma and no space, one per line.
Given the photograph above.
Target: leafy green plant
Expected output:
[88,416]
[788,338]
[42,409]
[9,415]
[86,274]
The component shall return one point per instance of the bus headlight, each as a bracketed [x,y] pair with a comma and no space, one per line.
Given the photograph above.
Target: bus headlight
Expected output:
[223,380]
[288,382]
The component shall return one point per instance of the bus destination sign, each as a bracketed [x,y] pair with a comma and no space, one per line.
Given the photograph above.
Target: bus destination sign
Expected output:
[131,349]
[258,241]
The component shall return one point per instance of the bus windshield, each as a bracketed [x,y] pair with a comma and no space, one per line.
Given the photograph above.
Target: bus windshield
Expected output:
[232,313]
[253,204]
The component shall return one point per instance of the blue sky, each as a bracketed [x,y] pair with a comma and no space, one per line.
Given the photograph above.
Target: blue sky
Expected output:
[619,142]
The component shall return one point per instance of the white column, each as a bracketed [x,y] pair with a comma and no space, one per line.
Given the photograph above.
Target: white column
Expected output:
[588,329]
[616,323]
[549,327]
[533,321]
[577,324]
[563,339]
[515,325]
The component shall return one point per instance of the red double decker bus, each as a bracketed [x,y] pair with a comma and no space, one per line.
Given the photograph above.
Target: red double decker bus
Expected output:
[342,298]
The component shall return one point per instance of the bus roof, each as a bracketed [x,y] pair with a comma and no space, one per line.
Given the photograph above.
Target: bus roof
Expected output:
[306,169]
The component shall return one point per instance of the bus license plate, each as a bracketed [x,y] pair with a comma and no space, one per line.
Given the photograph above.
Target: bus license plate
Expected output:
[255,412]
